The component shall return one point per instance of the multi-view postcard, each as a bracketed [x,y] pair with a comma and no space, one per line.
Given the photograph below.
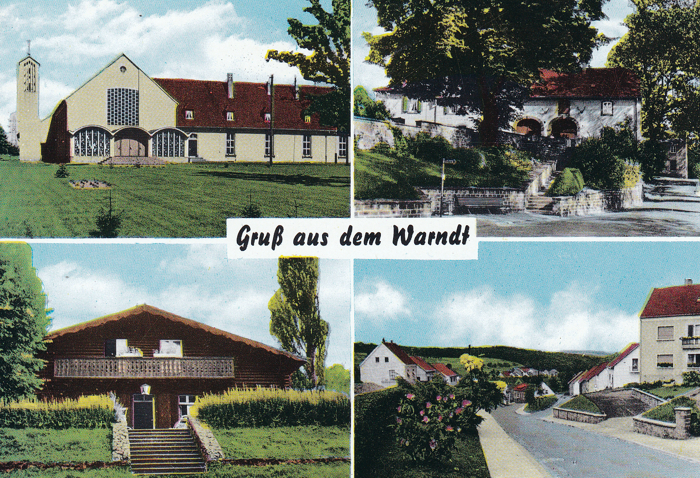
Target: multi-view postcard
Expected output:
[542,119]
[155,119]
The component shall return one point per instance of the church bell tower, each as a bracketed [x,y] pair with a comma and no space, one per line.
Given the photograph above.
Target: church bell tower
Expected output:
[28,108]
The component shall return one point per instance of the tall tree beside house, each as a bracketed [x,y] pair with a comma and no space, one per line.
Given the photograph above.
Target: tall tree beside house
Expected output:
[23,322]
[663,48]
[477,55]
[5,146]
[295,316]
[328,62]
[366,107]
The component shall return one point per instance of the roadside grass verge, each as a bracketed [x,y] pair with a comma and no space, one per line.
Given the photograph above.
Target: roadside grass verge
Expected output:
[582,404]
[665,413]
[670,392]
[284,442]
[176,200]
[541,403]
[48,446]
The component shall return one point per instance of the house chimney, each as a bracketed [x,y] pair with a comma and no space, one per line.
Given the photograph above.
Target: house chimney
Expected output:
[229,80]
[689,282]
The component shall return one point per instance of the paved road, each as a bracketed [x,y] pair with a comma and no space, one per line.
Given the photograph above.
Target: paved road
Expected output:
[666,211]
[569,452]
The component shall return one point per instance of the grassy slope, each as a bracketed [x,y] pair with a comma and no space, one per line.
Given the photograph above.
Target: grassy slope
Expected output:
[670,392]
[284,442]
[183,200]
[665,412]
[581,403]
[41,445]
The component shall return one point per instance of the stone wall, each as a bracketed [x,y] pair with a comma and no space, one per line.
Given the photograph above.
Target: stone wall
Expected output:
[393,208]
[647,398]
[369,133]
[578,416]
[679,430]
[627,198]
[455,200]
[207,441]
[120,441]
[589,201]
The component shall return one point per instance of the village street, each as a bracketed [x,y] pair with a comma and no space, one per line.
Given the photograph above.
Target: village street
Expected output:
[568,451]
[666,211]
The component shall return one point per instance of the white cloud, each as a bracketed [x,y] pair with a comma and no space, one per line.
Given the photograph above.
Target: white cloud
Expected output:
[334,300]
[382,303]
[570,321]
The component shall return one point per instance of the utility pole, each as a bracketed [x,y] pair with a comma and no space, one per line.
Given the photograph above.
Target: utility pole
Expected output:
[442,183]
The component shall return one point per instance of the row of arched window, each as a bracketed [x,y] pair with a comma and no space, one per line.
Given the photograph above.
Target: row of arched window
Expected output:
[94,141]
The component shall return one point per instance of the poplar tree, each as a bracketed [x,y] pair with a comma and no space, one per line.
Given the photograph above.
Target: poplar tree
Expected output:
[23,322]
[295,316]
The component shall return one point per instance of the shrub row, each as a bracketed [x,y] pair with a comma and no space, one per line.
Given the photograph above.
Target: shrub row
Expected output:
[94,411]
[267,407]
[541,403]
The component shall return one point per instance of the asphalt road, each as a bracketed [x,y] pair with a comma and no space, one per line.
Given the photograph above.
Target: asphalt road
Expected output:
[571,452]
[666,211]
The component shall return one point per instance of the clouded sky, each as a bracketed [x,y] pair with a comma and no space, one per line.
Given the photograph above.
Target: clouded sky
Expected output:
[372,76]
[196,281]
[196,39]
[542,295]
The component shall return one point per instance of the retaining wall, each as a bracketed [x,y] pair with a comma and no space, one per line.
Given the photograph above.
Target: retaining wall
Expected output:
[207,441]
[120,441]
[649,399]
[511,200]
[392,208]
[578,415]
[678,431]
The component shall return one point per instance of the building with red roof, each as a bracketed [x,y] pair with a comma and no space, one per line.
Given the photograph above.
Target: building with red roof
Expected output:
[424,371]
[670,333]
[121,115]
[450,376]
[386,363]
[617,373]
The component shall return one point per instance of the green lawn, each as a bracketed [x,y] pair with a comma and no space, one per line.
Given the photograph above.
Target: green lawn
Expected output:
[665,413]
[46,446]
[581,403]
[177,200]
[670,392]
[284,442]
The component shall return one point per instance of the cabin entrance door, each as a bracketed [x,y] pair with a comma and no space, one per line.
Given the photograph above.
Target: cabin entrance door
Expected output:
[144,408]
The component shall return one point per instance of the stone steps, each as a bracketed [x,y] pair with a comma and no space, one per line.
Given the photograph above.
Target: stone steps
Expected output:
[164,451]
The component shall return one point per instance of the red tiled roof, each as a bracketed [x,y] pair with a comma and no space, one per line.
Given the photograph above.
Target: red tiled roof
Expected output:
[423,364]
[594,371]
[627,350]
[175,318]
[398,351]
[443,369]
[577,377]
[589,83]
[673,301]
[521,388]
[209,102]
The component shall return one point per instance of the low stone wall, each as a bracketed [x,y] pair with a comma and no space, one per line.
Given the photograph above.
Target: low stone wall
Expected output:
[207,441]
[120,441]
[678,431]
[369,133]
[393,208]
[647,398]
[509,199]
[589,202]
[578,416]
[626,198]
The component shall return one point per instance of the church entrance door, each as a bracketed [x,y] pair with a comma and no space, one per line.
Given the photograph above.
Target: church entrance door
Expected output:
[131,142]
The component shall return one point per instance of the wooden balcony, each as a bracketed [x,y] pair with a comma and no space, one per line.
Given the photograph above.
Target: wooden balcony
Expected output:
[141,367]
[690,342]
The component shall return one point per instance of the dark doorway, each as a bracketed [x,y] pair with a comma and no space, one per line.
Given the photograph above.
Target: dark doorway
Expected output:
[564,128]
[143,411]
[529,127]
[131,142]
[192,146]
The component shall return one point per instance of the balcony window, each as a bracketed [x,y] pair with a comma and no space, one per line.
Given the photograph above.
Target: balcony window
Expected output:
[116,348]
[694,361]
[694,330]
[169,348]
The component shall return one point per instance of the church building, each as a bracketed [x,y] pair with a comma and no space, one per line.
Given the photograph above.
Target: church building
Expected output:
[121,115]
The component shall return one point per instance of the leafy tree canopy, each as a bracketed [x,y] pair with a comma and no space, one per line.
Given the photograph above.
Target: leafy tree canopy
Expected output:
[295,316]
[366,107]
[662,46]
[23,322]
[479,54]
[328,62]
[471,363]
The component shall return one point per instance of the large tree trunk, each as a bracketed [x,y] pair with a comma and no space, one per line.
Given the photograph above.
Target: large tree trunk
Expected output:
[488,128]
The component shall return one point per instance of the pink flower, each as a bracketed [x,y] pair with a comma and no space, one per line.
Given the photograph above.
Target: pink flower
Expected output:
[439,418]
[449,428]
[459,410]
[422,412]
[445,399]
[398,420]
[399,409]
[438,398]
[433,444]
[426,419]
[410,396]
[428,404]
[466,403]
[452,396]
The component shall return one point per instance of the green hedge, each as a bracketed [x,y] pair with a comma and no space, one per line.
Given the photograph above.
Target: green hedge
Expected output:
[375,415]
[568,183]
[92,417]
[541,403]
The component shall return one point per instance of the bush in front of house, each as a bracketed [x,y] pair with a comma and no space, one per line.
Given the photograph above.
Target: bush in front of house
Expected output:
[665,413]
[600,168]
[272,407]
[541,403]
[94,411]
[568,183]
[691,379]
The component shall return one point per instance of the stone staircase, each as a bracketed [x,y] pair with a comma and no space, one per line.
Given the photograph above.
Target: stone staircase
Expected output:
[618,403]
[164,451]
[540,203]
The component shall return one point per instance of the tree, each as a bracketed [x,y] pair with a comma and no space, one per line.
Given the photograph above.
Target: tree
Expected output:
[662,47]
[5,146]
[471,363]
[366,107]
[295,317]
[338,378]
[329,62]
[481,55]
[23,322]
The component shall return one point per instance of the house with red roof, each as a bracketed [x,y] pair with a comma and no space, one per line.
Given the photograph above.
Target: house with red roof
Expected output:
[670,333]
[450,376]
[424,371]
[386,363]
[121,115]
[617,373]
[564,105]
[156,363]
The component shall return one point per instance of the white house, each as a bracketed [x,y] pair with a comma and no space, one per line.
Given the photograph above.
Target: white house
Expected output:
[568,105]
[450,376]
[385,363]
[424,371]
[624,368]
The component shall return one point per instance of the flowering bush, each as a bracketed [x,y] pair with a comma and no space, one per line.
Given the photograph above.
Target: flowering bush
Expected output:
[429,420]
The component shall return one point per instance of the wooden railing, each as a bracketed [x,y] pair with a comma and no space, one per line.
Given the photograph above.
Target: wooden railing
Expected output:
[140,367]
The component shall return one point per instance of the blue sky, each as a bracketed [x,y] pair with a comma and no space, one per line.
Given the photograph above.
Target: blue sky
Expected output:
[197,281]
[197,39]
[543,295]
[371,76]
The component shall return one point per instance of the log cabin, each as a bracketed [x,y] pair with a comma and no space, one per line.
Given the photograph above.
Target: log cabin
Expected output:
[157,363]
